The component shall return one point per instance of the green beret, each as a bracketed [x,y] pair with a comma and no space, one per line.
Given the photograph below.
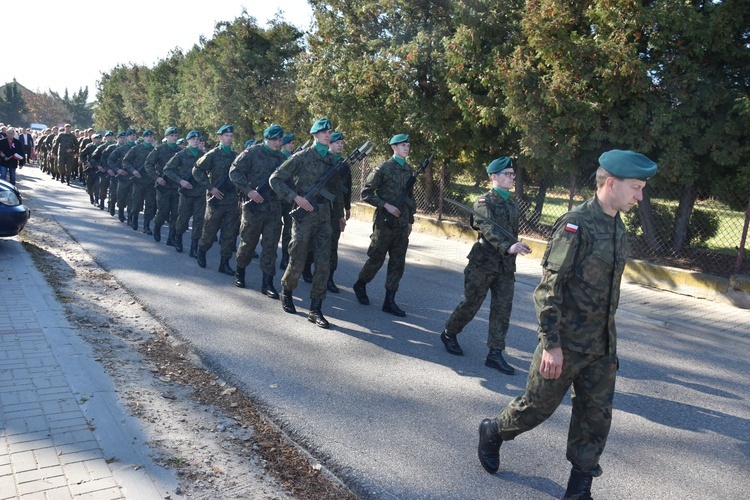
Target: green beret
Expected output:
[321,125]
[193,133]
[122,134]
[628,164]
[148,133]
[249,143]
[337,136]
[180,141]
[130,132]
[226,129]
[108,133]
[273,132]
[287,139]
[398,139]
[96,136]
[171,130]
[499,164]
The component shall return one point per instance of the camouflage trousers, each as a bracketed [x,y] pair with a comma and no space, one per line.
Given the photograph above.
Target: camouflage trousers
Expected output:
[314,232]
[167,206]
[390,241]
[593,379]
[144,194]
[124,192]
[92,179]
[254,224]
[114,180]
[335,236]
[286,231]
[485,274]
[191,206]
[66,164]
[104,179]
[225,216]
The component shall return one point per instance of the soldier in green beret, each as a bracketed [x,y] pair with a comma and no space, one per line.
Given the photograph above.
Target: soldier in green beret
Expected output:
[337,148]
[123,184]
[179,169]
[65,150]
[88,167]
[304,169]
[575,305]
[392,225]
[491,267]
[211,172]
[287,148]
[167,197]
[143,191]
[261,211]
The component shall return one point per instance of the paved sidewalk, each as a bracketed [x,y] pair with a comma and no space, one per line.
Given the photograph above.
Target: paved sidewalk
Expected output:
[62,432]
[714,321]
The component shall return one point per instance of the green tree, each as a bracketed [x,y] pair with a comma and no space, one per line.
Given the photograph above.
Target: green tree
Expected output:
[12,105]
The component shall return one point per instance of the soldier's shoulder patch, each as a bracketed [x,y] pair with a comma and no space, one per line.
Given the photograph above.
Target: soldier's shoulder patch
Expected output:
[481,200]
[377,169]
[571,228]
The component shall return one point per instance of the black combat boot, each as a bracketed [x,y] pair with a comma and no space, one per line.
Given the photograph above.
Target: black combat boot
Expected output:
[121,214]
[239,277]
[307,272]
[224,266]
[451,343]
[147,227]
[360,290]
[101,204]
[267,288]
[91,199]
[316,315]
[389,304]
[112,209]
[287,301]
[495,360]
[157,233]
[284,260]
[201,257]
[178,242]
[171,237]
[194,249]
[134,221]
[331,285]
[579,485]
[489,445]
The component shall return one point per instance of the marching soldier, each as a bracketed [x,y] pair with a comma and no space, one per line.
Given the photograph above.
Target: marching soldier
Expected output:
[211,171]
[88,166]
[65,149]
[491,268]
[304,169]
[167,197]
[392,225]
[142,190]
[287,148]
[262,214]
[51,158]
[121,182]
[575,303]
[179,169]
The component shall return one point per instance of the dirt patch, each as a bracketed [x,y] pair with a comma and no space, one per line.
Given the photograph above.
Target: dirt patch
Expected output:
[209,432]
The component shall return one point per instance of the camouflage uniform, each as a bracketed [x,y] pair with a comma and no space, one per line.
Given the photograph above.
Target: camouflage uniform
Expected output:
[142,190]
[221,214]
[51,162]
[286,230]
[390,235]
[575,304]
[192,201]
[100,159]
[66,160]
[253,166]
[167,197]
[41,151]
[314,231]
[88,168]
[119,188]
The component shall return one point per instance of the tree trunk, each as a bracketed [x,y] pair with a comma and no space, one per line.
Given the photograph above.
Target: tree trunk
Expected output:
[682,219]
[536,215]
[646,213]
[571,192]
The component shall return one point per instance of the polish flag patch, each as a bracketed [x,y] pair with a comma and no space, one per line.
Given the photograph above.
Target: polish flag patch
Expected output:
[571,228]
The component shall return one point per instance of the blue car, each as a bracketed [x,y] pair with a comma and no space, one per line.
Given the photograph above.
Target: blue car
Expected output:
[13,213]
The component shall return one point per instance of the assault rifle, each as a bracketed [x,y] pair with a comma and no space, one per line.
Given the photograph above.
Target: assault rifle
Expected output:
[474,213]
[221,182]
[319,188]
[300,148]
[401,198]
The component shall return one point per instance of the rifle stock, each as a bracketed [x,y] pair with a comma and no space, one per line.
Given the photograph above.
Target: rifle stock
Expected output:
[401,198]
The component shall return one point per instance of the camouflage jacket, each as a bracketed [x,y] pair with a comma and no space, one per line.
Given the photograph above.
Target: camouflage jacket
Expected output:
[87,152]
[580,288]
[114,160]
[304,169]
[212,171]
[493,244]
[101,154]
[384,184]
[180,167]
[135,159]
[157,160]
[253,166]
[63,142]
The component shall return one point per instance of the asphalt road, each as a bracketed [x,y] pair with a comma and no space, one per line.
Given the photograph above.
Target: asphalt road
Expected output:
[382,404]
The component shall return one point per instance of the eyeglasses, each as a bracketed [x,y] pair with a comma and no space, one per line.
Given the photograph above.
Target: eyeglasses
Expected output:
[510,175]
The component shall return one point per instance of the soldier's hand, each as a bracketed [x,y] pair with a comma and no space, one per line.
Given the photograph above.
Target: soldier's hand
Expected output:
[160,181]
[302,202]
[255,196]
[552,362]
[111,173]
[392,210]
[348,214]
[519,248]
[342,224]
[216,194]
[186,184]
[121,172]
[136,174]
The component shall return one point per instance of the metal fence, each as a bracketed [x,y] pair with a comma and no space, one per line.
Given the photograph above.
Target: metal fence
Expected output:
[715,241]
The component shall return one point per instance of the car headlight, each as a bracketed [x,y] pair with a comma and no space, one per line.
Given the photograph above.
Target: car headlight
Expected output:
[9,198]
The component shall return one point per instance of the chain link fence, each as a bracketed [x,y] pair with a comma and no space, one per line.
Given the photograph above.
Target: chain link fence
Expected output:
[712,240]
